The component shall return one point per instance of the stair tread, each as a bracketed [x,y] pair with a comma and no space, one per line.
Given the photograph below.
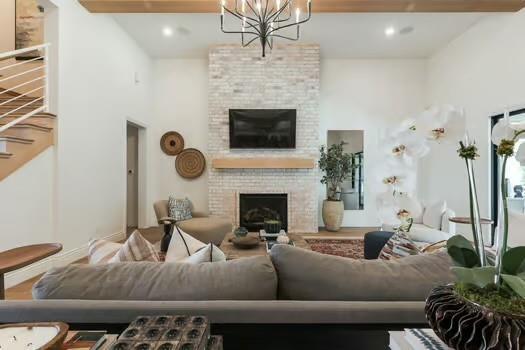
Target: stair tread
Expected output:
[29,125]
[10,138]
[37,115]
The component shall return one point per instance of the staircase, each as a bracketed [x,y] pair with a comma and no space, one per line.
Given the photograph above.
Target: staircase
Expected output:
[26,128]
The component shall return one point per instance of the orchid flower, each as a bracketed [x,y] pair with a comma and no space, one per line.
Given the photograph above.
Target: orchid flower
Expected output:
[442,123]
[392,180]
[520,154]
[406,145]
[396,210]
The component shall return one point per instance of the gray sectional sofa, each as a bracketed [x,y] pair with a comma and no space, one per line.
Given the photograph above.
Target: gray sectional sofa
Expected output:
[293,292]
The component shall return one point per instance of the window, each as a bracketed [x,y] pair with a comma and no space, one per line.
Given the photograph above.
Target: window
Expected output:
[515,177]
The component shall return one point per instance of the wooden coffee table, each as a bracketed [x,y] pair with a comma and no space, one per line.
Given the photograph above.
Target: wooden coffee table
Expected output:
[233,252]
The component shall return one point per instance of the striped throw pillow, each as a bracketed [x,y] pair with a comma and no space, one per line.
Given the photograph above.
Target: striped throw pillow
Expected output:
[399,246]
[101,251]
[136,248]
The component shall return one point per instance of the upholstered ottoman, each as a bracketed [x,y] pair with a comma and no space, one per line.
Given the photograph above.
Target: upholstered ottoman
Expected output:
[374,242]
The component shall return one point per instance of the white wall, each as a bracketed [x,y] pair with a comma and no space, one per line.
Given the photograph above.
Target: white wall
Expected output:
[97,92]
[368,95]
[180,104]
[482,71]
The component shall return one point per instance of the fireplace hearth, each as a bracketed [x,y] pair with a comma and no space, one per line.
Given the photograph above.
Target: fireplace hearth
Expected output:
[255,208]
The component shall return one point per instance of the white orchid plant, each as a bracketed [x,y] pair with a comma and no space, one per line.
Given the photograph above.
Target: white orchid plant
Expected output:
[402,147]
[504,274]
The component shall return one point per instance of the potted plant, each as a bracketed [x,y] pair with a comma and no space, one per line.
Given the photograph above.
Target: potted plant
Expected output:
[485,308]
[336,165]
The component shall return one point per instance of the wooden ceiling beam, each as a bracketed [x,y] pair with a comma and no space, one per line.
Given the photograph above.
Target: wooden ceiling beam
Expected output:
[211,6]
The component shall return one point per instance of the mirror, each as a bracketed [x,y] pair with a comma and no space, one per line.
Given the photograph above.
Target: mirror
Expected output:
[352,189]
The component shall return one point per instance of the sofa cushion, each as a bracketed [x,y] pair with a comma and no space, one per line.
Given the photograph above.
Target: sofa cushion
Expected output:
[433,213]
[422,233]
[243,279]
[307,275]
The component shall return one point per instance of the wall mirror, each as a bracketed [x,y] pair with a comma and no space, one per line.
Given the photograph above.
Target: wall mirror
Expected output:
[352,189]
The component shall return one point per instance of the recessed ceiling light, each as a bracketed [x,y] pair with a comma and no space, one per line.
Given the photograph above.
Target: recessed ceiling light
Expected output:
[390,31]
[167,31]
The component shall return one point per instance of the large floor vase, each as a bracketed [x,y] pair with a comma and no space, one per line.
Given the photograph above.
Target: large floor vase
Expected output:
[462,324]
[333,212]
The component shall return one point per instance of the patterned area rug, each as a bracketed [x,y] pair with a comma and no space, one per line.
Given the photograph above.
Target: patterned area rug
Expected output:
[347,248]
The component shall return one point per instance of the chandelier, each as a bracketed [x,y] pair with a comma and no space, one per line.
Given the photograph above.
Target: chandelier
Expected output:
[265,20]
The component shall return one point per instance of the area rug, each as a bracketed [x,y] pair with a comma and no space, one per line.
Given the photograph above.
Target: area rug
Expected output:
[347,248]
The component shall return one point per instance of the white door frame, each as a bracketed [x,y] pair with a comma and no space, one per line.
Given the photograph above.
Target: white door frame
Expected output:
[142,194]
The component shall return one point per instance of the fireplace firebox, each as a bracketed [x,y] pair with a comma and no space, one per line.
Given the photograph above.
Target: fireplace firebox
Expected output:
[255,208]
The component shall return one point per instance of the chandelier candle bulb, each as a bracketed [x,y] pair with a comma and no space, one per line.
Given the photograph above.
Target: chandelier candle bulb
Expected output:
[297,14]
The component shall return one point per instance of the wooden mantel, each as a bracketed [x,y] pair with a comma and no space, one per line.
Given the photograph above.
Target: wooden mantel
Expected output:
[211,6]
[263,163]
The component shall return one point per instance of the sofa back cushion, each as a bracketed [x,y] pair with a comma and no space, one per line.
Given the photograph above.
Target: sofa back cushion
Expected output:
[307,275]
[243,279]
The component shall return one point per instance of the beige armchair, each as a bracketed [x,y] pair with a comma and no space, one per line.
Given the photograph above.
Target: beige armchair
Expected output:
[205,228]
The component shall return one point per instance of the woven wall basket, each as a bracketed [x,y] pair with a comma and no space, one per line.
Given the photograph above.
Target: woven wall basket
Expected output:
[190,163]
[172,143]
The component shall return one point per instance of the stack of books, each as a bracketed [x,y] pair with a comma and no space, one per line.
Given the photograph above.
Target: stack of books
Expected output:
[416,339]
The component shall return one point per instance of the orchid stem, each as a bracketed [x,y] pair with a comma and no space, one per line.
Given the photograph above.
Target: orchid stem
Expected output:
[502,248]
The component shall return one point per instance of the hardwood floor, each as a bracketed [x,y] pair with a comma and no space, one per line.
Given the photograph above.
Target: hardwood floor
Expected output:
[154,234]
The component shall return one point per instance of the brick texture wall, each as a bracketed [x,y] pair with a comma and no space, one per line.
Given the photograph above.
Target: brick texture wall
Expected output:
[287,78]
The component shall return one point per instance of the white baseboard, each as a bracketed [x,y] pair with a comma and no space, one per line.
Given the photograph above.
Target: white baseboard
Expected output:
[57,260]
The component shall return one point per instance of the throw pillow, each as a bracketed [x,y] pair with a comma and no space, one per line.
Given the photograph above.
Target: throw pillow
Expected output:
[399,246]
[182,245]
[185,248]
[433,214]
[136,248]
[180,209]
[210,253]
[101,251]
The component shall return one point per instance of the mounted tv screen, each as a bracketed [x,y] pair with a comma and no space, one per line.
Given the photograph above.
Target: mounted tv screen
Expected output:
[262,128]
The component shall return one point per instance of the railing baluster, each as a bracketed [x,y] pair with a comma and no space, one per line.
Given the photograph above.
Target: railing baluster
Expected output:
[36,104]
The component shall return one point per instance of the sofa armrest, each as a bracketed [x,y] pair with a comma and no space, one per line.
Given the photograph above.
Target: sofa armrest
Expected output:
[446,225]
[199,214]
[166,220]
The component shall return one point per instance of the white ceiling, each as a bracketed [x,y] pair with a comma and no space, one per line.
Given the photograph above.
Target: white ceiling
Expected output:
[348,35]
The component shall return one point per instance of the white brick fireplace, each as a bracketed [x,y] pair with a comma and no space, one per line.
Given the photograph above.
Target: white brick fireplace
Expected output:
[288,78]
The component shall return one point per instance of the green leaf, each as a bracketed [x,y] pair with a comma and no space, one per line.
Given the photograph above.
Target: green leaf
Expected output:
[478,276]
[514,261]
[515,283]
[462,252]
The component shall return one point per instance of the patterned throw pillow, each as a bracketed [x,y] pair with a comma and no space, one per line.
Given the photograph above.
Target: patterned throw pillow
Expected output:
[136,248]
[399,246]
[180,209]
[101,251]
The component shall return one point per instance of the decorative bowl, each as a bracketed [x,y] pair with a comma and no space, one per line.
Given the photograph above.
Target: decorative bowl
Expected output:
[462,324]
[248,242]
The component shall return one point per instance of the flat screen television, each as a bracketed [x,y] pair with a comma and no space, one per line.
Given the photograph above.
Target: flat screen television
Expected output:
[262,128]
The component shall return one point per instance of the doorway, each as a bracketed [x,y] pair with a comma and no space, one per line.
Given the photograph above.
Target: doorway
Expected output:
[132,178]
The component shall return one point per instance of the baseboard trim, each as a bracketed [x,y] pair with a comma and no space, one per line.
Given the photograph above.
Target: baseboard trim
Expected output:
[61,259]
